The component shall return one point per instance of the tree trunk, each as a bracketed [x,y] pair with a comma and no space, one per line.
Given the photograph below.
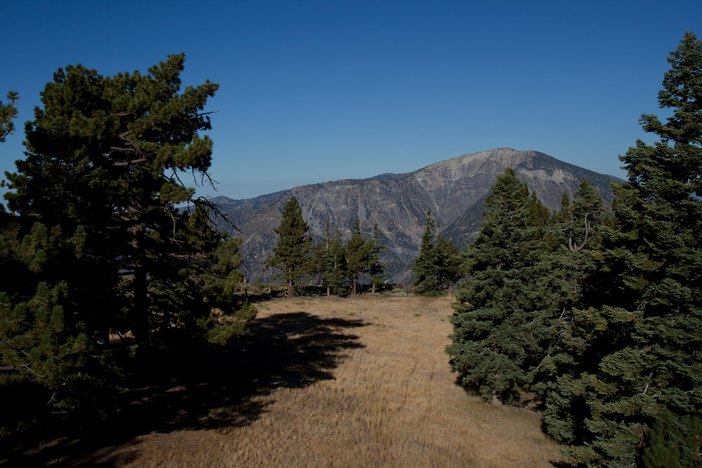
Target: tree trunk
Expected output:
[291,289]
[140,312]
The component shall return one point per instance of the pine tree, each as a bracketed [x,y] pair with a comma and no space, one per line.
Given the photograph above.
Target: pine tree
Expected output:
[104,157]
[332,260]
[438,265]
[358,256]
[376,269]
[97,240]
[449,258]
[493,343]
[426,265]
[49,357]
[566,279]
[291,253]
[638,341]
[8,113]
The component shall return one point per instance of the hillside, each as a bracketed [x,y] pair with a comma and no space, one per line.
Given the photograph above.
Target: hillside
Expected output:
[454,190]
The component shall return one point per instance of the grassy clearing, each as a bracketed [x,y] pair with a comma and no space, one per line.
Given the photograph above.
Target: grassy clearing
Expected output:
[362,382]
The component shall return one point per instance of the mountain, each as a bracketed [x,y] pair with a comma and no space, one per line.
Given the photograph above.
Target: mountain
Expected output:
[454,190]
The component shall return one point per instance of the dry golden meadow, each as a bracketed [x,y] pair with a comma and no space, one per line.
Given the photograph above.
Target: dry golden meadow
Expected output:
[348,382]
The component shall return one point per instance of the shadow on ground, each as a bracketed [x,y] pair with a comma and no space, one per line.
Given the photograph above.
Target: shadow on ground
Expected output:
[212,388]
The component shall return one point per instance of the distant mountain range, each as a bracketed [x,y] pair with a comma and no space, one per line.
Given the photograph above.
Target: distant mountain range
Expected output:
[454,190]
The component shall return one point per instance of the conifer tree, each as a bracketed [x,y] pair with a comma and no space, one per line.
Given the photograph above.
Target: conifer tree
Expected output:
[97,238]
[376,269]
[333,261]
[8,113]
[449,262]
[565,279]
[358,256]
[104,157]
[496,311]
[637,344]
[292,251]
[438,264]
[426,265]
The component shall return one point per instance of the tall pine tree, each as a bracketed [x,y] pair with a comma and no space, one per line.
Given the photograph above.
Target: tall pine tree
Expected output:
[493,344]
[363,258]
[292,251]
[332,261]
[426,265]
[635,394]
[104,158]
[98,239]
[438,264]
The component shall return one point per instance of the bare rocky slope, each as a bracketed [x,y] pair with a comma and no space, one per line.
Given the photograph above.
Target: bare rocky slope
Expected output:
[454,190]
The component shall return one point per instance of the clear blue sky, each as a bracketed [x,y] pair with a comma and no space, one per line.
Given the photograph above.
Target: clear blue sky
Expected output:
[312,91]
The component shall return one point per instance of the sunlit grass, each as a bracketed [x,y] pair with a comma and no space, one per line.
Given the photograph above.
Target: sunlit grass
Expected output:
[392,402]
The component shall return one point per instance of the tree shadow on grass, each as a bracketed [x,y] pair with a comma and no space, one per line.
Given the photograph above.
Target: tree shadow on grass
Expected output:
[210,388]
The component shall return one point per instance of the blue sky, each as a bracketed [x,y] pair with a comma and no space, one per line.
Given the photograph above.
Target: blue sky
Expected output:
[312,91]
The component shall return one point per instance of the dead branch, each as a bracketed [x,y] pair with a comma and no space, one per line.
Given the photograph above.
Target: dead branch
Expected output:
[573,246]
[129,163]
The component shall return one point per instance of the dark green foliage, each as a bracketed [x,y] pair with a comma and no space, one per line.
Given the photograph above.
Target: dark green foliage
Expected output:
[376,269]
[634,384]
[45,348]
[672,441]
[339,264]
[600,315]
[565,278]
[362,258]
[8,113]
[437,266]
[426,265]
[449,262]
[97,243]
[497,311]
[291,255]
[103,159]
[333,261]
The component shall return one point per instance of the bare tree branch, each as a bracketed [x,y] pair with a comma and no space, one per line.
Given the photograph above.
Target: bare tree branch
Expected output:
[573,246]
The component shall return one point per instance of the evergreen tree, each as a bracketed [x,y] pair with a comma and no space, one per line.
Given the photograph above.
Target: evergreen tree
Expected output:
[363,258]
[496,311]
[103,161]
[438,265]
[376,269]
[449,257]
[97,241]
[566,279]
[426,265]
[292,252]
[8,113]
[359,253]
[637,344]
[332,261]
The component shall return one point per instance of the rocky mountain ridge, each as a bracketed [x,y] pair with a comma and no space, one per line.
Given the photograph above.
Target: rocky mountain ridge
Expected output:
[454,190]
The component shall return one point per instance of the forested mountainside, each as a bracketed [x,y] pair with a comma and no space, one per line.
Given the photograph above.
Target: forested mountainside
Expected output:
[453,190]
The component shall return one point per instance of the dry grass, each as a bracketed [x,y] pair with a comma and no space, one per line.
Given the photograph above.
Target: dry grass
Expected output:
[391,401]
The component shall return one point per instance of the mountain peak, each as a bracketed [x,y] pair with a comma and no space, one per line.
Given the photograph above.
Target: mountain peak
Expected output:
[454,190]
[502,155]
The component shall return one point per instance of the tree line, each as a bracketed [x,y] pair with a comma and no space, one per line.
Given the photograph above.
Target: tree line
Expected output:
[337,266]
[594,313]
